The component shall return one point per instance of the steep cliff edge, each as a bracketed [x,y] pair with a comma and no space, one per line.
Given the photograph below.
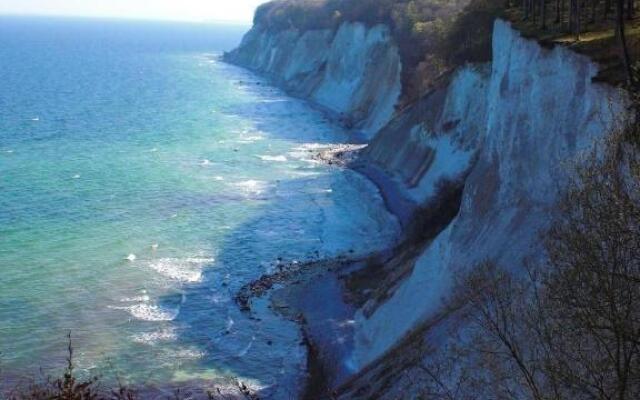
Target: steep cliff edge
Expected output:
[502,134]
[510,132]
[353,72]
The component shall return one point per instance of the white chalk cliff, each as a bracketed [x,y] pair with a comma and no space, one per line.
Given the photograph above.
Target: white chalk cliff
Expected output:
[353,72]
[511,128]
[505,131]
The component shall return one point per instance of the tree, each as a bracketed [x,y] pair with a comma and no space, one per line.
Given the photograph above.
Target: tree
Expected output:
[622,39]
[568,328]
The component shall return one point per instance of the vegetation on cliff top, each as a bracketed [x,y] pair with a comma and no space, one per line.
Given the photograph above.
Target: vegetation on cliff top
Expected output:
[437,36]
[434,36]
[605,30]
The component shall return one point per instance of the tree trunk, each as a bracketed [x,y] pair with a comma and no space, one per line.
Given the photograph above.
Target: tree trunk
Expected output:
[622,40]
[570,16]
[578,20]
[543,14]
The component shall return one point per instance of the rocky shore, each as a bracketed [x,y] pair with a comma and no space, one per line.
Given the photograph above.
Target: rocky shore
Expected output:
[310,294]
[321,295]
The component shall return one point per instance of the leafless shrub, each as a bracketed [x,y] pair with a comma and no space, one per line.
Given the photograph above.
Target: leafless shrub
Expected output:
[72,387]
[67,387]
[568,328]
[593,285]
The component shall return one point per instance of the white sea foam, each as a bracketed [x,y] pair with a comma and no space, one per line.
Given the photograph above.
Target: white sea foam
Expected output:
[230,323]
[245,351]
[312,146]
[269,101]
[249,139]
[131,257]
[138,299]
[305,173]
[187,354]
[273,158]
[186,270]
[252,186]
[219,178]
[306,151]
[152,338]
[204,163]
[150,312]
[35,119]
[218,298]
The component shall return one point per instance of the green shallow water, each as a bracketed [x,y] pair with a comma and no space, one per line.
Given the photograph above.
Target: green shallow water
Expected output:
[142,182]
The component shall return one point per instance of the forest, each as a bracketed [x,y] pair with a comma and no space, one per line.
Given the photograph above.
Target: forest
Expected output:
[437,36]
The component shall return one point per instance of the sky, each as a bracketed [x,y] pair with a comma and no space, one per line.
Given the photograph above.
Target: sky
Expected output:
[179,10]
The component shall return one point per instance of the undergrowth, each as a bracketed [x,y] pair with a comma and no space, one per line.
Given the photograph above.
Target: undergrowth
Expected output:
[71,386]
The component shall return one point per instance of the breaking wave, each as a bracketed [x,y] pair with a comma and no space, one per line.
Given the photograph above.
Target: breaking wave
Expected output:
[187,270]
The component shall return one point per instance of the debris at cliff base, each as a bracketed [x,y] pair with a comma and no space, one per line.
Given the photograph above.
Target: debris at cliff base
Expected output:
[285,273]
[312,295]
[339,155]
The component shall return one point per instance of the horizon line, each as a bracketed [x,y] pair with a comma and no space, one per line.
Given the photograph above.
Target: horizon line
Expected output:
[130,18]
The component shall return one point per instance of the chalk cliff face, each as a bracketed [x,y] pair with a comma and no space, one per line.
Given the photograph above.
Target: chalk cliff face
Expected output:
[353,72]
[505,131]
[510,131]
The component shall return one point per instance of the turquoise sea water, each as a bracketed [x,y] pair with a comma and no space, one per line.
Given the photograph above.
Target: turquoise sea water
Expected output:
[142,182]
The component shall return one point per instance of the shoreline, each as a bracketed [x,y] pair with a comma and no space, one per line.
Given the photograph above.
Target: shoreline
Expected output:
[291,288]
[288,291]
[395,201]
[287,287]
[355,136]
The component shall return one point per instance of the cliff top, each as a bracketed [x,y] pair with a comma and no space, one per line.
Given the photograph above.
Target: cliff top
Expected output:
[433,36]
[594,35]
[436,36]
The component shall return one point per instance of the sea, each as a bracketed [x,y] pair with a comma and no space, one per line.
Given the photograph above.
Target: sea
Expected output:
[143,182]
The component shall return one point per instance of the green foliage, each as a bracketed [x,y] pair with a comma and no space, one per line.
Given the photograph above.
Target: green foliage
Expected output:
[434,36]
